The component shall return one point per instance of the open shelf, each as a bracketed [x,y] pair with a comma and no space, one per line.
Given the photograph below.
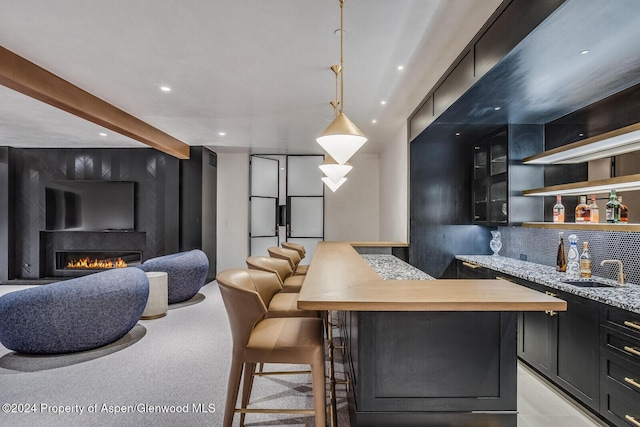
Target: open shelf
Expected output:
[603,226]
[620,183]
[618,141]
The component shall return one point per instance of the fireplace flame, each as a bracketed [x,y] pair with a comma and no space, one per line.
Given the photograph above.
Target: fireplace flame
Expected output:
[96,263]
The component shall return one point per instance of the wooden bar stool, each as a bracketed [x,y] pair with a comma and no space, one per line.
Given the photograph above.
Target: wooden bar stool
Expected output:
[296,247]
[257,339]
[267,285]
[281,268]
[290,255]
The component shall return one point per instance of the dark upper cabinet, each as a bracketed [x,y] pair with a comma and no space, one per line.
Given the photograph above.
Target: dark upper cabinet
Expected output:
[499,176]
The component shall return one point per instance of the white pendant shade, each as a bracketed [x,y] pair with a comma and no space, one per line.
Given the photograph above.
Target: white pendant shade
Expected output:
[332,185]
[333,170]
[341,139]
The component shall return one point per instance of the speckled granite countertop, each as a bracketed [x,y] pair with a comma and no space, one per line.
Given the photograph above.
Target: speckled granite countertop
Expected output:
[626,296]
[390,267]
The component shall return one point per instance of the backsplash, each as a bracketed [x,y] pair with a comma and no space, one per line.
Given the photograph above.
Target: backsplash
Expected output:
[541,246]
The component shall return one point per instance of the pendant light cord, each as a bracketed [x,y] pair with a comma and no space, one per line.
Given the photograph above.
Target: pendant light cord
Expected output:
[341,57]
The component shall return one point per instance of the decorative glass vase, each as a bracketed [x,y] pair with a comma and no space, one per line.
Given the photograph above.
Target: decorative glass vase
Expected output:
[495,244]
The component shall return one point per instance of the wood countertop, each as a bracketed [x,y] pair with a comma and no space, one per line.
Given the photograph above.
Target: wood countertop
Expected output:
[340,279]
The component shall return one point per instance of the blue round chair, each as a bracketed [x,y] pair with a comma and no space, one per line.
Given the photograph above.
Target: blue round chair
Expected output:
[73,315]
[186,271]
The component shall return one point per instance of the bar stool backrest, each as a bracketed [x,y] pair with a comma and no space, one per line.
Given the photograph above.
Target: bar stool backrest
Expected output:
[244,306]
[296,247]
[266,284]
[289,254]
[274,265]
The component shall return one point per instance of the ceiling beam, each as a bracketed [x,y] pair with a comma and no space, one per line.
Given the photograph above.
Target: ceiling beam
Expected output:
[27,78]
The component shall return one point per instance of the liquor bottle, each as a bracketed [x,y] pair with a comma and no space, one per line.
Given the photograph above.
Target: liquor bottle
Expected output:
[561,259]
[613,208]
[583,213]
[585,261]
[558,210]
[624,212]
[573,258]
[595,212]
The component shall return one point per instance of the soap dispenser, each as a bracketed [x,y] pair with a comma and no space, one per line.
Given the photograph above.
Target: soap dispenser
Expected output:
[573,258]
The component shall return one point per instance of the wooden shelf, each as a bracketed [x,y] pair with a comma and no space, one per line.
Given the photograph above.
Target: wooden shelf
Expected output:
[620,183]
[618,141]
[603,226]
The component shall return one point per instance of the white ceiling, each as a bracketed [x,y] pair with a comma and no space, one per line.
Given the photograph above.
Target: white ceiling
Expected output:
[255,69]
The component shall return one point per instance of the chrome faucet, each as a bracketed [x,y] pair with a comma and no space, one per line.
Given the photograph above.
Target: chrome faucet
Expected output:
[620,272]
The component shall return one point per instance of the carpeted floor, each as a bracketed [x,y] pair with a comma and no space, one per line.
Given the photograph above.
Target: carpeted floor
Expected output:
[178,363]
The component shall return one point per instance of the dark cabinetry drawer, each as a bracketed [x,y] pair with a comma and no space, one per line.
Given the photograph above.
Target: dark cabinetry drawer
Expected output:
[620,367]
[467,270]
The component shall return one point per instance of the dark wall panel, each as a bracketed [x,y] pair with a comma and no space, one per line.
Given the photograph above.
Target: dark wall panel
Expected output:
[157,189]
[198,189]
[5,227]
[440,207]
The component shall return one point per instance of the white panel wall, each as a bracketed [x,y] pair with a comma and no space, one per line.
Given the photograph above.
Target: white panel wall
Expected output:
[394,196]
[353,212]
[233,210]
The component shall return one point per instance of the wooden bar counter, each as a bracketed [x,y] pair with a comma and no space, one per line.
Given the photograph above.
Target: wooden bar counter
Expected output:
[423,352]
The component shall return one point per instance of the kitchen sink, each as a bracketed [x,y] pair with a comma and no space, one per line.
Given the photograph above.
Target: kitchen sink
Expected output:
[589,284]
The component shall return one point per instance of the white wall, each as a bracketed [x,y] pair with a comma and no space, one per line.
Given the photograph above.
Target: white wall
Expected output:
[233,210]
[352,213]
[394,196]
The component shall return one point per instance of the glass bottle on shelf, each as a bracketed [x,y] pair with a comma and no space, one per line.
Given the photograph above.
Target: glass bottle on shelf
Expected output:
[583,213]
[561,258]
[558,210]
[613,208]
[595,212]
[573,258]
[624,212]
[585,261]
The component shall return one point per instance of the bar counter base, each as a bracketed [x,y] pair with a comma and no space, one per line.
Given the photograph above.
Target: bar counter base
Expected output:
[431,368]
[440,419]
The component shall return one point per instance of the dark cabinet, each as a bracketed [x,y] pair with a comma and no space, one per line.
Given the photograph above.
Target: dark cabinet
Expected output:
[563,346]
[578,356]
[490,180]
[499,176]
[620,367]
[467,270]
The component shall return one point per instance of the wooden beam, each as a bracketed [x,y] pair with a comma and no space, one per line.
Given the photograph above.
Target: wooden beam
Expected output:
[26,77]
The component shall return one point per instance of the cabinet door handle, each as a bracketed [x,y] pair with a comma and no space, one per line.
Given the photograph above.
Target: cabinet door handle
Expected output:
[632,420]
[550,312]
[551,294]
[632,382]
[634,325]
[632,350]
[468,264]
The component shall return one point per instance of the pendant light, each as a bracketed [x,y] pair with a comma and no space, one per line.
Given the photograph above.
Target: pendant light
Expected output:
[332,185]
[341,139]
[332,169]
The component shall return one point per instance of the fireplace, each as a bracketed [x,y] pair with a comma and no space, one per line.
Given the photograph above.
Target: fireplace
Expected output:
[78,263]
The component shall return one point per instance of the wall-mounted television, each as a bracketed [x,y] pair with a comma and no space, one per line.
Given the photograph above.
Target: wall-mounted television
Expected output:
[90,205]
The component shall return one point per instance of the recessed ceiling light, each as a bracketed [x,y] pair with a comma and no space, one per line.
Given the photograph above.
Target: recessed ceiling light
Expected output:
[383,102]
[281,169]
[400,67]
[165,88]
[222,133]
[457,133]
[102,134]
[584,52]
[581,134]
[497,108]
[374,121]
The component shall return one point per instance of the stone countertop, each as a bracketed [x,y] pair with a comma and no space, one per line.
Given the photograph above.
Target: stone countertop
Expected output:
[625,296]
[390,267]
